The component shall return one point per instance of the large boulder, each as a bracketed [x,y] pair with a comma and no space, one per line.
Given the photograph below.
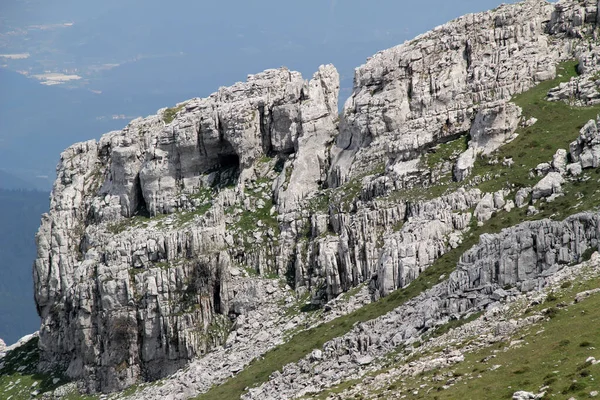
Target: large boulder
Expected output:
[548,186]
[493,126]
[586,149]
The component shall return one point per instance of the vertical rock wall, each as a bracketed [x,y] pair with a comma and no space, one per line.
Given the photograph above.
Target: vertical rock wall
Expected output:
[133,275]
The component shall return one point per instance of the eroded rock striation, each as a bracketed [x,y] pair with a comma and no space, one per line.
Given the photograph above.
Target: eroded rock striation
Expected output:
[517,260]
[408,98]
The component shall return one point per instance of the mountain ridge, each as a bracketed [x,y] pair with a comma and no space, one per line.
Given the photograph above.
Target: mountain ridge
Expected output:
[189,234]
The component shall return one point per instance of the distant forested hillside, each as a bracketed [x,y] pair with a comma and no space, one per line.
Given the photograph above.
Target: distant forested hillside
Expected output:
[20,213]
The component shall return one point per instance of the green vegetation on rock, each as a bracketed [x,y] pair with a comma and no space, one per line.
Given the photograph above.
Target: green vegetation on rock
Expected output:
[170,113]
[446,151]
[304,342]
[20,379]
[558,124]
[552,355]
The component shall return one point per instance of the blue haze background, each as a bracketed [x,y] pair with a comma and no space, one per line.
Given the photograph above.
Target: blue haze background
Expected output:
[137,56]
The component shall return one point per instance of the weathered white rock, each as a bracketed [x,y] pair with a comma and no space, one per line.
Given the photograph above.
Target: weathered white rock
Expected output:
[123,298]
[407,98]
[485,208]
[574,169]
[559,161]
[547,186]
[509,205]
[464,164]
[494,125]
[579,297]
[522,197]
[317,354]
[542,169]
[525,258]
[531,210]
[423,238]
[586,149]
[145,301]
[318,123]
[523,395]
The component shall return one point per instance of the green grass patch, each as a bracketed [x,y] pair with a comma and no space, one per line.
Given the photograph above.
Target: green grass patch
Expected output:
[446,151]
[170,113]
[183,218]
[557,125]
[135,222]
[346,296]
[249,220]
[320,202]
[346,195]
[19,377]
[553,354]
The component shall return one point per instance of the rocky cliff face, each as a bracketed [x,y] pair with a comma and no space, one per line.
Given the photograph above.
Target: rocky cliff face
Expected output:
[148,256]
[520,259]
[136,257]
[411,97]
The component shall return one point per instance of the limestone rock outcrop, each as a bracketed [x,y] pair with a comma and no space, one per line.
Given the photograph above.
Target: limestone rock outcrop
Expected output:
[492,127]
[133,275]
[519,259]
[523,395]
[411,96]
[147,257]
[423,238]
[548,186]
[586,149]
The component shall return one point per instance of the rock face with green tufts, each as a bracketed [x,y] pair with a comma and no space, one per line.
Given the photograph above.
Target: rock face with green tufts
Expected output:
[135,258]
[518,260]
[156,234]
[410,97]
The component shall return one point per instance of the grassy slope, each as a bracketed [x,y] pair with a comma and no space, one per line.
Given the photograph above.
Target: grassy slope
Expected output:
[558,125]
[19,378]
[553,355]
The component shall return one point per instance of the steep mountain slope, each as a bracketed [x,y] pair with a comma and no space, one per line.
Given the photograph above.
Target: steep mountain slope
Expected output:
[233,242]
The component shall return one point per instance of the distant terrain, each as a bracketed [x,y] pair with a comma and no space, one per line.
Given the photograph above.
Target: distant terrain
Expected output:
[20,212]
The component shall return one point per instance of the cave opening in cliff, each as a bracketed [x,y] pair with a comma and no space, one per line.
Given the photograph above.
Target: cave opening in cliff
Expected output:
[228,170]
[226,163]
[140,207]
[229,161]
